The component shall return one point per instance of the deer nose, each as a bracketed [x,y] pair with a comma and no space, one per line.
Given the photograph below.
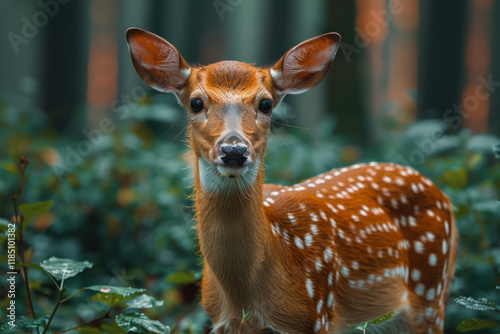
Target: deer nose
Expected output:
[234,155]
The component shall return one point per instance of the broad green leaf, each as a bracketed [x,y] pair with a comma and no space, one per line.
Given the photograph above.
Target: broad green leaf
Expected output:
[363,326]
[4,224]
[120,290]
[112,299]
[481,304]
[140,323]
[25,322]
[144,301]
[183,277]
[33,209]
[473,324]
[64,268]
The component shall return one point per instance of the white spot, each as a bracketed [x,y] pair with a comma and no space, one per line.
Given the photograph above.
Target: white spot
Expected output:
[394,203]
[420,289]
[299,242]
[355,218]
[291,218]
[310,287]
[445,246]
[421,187]
[432,260]
[328,254]
[323,215]
[415,275]
[363,213]
[374,185]
[314,217]
[320,305]
[309,239]
[414,188]
[319,265]
[440,286]
[419,247]
[341,207]
[266,203]
[330,278]
[387,179]
[334,224]
[355,265]
[446,227]
[330,300]
[438,204]
[318,325]
[314,229]
[412,221]
[345,271]
[430,236]
[430,213]
[431,294]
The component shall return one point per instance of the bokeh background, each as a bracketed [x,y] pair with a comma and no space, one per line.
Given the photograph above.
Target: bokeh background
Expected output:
[414,82]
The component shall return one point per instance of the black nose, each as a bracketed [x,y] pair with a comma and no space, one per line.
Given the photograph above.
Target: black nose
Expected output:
[234,155]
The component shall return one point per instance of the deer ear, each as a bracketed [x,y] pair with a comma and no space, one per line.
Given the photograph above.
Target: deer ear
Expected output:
[157,62]
[305,65]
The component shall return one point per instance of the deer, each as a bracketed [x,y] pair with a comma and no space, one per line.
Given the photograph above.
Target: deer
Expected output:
[344,247]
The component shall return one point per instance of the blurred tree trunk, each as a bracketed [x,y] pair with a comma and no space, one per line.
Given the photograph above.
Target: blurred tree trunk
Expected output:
[309,20]
[345,98]
[441,49]
[64,80]
[494,114]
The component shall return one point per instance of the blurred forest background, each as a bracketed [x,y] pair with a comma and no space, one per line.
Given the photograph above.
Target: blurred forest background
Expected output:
[416,82]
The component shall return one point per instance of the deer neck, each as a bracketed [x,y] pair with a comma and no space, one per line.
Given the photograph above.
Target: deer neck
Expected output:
[234,234]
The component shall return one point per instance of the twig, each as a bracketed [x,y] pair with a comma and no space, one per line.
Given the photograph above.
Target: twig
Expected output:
[106,315]
[20,220]
[61,291]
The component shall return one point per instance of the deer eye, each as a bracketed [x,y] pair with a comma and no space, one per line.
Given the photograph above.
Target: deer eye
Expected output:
[196,105]
[266,106]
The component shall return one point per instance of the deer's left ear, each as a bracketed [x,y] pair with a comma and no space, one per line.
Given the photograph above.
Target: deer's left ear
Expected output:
[305,65]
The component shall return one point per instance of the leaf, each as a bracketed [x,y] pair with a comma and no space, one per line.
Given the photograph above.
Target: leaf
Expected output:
[481,304]
[482,142]
[120,290]
[140,323]
[183,277]
[9,167]
[144,301]
[364,325]
[457,178]
[25,322]
[112,299]
[34,209]
[473,324]
[496,150]
[64,268]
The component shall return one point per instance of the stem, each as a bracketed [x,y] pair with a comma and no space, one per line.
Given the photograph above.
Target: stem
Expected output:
[61,291]
[106,315]
[66,299]
[19,220]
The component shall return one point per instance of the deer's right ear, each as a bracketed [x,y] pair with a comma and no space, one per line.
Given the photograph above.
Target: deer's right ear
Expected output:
[157,61]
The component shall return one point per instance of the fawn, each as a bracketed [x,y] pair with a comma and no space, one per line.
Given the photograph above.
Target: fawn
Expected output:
[341,248]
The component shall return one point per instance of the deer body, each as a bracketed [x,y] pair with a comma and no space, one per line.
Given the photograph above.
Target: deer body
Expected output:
[342,248]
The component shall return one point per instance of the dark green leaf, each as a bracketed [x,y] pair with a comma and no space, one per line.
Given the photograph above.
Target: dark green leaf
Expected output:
[363,326]
[473,324]
[183,277]
[144,301]
[481,304]
[64,268]
[140,323]
[112,299]
[33,209]
[120,290]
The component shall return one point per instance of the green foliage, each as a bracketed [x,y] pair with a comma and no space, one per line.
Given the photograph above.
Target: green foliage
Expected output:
[125,207]
[475,324]
[365,325]
[140,323]
[64,268]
